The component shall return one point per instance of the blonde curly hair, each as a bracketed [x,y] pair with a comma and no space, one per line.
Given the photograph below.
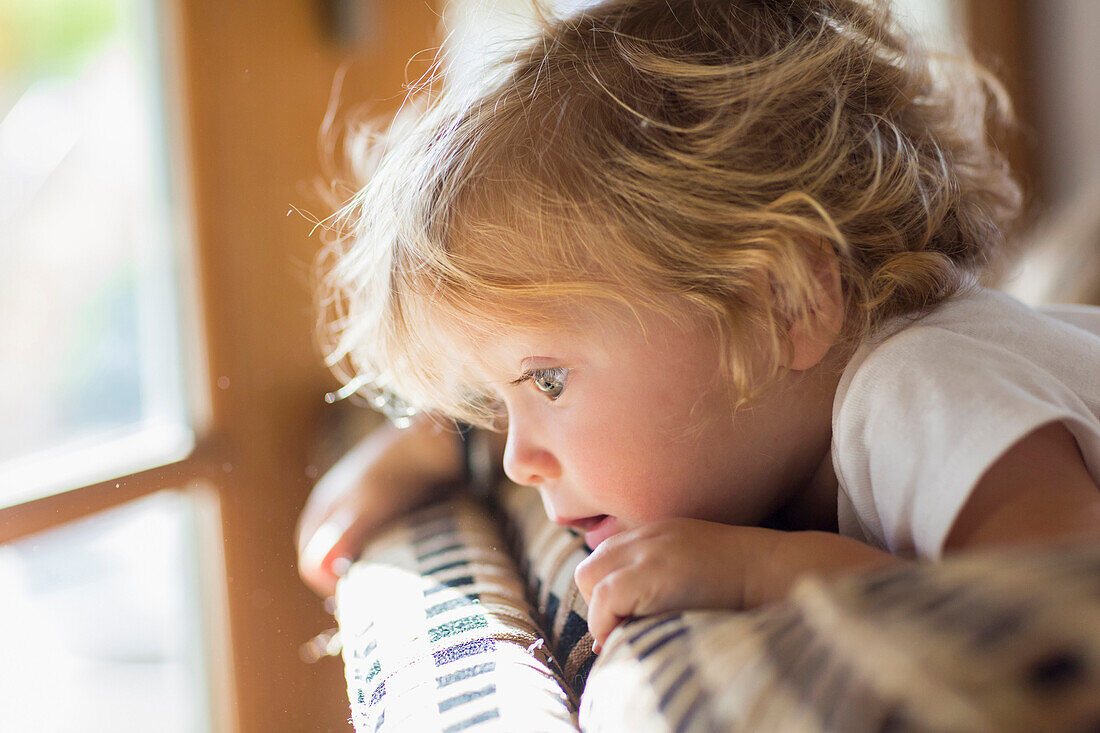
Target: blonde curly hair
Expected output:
[684,155]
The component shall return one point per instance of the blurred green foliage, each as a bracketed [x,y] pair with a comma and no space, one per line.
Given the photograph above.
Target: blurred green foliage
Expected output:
[48,37]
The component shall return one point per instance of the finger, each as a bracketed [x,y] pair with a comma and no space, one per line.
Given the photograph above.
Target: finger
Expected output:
[612,554]
[327,498]
[600,624]
[613,599]
[328,553]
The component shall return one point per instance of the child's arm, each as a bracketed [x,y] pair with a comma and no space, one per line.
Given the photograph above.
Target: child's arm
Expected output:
[1040,490]
[390,472]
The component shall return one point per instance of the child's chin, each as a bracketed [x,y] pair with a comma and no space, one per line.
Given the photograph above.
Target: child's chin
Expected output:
[607,527]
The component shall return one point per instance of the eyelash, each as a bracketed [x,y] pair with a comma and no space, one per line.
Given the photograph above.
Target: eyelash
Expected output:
[557,374]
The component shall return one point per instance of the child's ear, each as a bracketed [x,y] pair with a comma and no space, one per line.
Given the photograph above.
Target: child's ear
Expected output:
[812,335]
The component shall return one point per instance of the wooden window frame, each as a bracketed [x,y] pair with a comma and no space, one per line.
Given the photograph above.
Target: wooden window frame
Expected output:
[252,82]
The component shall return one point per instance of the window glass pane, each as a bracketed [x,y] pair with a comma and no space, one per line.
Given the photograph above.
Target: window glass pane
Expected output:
[88,337]
[104,623]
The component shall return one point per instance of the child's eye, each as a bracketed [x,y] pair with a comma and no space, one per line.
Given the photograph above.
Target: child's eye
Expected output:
[551,382]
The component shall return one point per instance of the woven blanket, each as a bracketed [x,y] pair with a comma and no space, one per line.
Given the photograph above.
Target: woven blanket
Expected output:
[450,623]
[438,636]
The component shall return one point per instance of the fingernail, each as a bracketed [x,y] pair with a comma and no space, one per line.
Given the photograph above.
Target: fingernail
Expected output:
[323,540]
[340,565]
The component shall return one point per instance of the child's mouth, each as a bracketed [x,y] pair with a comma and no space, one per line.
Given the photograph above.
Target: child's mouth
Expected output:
[596,529]
[584,524]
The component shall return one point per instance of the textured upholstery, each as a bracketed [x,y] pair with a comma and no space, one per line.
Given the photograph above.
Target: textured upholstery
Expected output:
[444,631]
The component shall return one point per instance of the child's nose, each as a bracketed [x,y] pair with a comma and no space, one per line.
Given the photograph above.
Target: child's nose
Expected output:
[527,463]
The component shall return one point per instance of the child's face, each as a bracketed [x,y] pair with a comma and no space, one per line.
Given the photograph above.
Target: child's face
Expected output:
[616,428]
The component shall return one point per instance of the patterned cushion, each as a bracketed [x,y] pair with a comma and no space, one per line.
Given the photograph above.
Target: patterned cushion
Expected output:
[997,642]
[547,555]
[440,636]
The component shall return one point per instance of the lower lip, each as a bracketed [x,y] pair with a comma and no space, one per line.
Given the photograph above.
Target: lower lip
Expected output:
[599,532]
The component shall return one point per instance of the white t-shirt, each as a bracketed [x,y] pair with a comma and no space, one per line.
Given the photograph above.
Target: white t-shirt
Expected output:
[926,406]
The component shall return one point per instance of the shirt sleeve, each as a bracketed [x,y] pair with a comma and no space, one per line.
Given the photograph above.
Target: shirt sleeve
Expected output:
[926,414]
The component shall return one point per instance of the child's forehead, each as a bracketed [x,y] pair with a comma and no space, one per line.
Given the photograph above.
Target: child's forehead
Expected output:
[500,353]
[573,335]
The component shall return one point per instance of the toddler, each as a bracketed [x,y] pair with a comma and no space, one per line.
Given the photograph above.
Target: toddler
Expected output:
[712,267]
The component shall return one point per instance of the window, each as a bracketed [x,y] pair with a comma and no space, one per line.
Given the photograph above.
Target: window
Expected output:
[110,614]
[159,388]
[112,609]
[91,379]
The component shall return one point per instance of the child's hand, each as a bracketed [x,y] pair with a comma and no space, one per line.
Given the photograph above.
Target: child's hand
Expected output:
[680,564]
[663,566]
[391,472]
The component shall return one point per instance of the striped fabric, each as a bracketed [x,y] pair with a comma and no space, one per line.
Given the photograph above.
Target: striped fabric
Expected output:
[547,555]
[439,636]
[1005,642]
